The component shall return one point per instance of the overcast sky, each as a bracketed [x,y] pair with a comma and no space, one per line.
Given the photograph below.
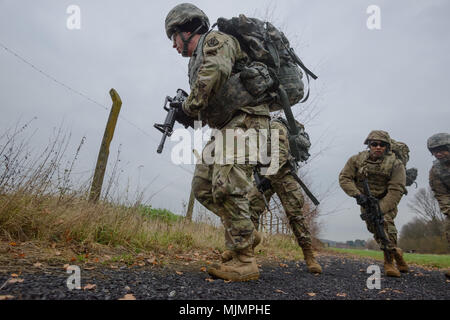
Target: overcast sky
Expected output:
[395,79]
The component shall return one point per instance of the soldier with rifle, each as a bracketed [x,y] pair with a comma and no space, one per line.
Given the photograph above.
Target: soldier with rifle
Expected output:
[215,59]
[293,147]
[376,179]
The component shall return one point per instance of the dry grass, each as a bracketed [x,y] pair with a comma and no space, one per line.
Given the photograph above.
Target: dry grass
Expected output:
[42,205]
[49,220]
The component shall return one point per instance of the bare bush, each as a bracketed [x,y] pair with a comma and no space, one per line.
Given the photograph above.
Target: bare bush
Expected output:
[425,233]
[425,205]
[424,236]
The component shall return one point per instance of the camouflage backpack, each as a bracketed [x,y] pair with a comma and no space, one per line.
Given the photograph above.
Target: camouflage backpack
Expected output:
[300,143]
[401,151]
[265,44]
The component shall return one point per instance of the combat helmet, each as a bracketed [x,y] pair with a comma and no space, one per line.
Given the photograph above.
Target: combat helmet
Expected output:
[183,14]
[378,135]
[438,140]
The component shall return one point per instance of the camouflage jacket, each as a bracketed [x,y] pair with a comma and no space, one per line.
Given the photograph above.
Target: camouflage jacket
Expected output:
[440,184]
[284,153]
[210,66]
[386,177]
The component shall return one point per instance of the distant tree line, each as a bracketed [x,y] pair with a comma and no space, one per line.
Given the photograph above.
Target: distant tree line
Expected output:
[356,244]
[425,233]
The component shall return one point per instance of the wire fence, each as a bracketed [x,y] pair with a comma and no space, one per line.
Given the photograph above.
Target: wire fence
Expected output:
[83,95]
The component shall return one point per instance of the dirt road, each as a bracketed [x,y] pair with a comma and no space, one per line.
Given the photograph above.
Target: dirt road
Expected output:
[343,278]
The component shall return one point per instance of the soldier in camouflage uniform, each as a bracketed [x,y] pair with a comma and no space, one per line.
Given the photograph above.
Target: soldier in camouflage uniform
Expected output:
[222,188]
[439,146]
[386,178]
[288,189]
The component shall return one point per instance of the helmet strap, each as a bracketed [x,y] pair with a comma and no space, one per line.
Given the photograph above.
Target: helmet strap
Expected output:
[186,42]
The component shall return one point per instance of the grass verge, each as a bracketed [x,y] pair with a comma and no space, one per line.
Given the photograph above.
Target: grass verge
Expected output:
[428,260]
[45,214]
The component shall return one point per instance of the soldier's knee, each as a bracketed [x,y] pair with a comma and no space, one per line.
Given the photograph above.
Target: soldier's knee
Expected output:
[201,189]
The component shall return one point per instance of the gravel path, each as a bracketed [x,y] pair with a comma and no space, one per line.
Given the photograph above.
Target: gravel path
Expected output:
[343,278]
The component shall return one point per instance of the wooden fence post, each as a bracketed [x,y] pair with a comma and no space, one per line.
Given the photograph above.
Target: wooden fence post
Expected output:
[102,160]
[190,208]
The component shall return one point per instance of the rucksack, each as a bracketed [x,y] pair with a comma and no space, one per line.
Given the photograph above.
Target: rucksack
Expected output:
[401,151]
[300,143]
[266,44]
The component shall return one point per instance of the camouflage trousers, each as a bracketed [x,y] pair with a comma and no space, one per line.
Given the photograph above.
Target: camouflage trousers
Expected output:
[288,190]
[389,229]
[223,188]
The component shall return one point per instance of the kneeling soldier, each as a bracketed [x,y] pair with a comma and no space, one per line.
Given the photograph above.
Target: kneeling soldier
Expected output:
[385,177]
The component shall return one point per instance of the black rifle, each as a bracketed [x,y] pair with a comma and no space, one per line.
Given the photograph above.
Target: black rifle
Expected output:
[298,140]
[304,187]
[167,127]
[374,217]
[262,184]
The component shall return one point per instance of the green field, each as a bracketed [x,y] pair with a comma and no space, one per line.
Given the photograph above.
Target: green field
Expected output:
[429,260]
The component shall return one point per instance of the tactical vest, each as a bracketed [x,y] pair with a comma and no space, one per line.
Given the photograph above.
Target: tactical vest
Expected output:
[196,60]
[378,172]
[222,106]
[443,173]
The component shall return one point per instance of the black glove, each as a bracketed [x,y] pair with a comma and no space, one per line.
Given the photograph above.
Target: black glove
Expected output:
[176,104]
[264,185]
[361,199]
[180,116]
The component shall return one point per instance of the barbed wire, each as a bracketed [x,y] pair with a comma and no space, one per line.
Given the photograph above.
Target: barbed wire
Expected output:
[77,92]
[45,74]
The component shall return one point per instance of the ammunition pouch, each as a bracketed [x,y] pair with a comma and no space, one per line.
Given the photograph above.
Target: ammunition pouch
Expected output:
[256,79]
[411,176]
[246,88]
[299,145]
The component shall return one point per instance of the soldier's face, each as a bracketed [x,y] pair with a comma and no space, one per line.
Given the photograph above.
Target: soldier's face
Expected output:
[441,153]
[377,149]
[177,43]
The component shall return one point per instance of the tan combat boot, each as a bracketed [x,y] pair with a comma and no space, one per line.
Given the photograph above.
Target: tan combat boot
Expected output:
[311,263]
[242,267]
[389,268]
[401,263]
[227,255]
